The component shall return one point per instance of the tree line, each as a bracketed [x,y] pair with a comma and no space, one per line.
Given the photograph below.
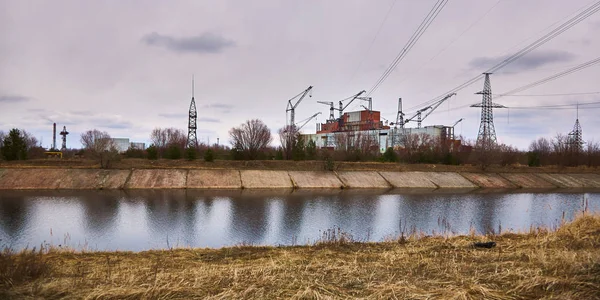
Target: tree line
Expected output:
[252,140]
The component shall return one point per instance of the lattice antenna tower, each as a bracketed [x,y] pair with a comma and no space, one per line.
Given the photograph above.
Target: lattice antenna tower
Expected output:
[487,132]
[576,136]
[64,134]
[192,140]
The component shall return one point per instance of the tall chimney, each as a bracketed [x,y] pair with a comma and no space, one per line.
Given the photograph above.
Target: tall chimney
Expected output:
[54,137]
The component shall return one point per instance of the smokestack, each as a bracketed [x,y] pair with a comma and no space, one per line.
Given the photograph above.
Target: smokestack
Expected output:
[54,137]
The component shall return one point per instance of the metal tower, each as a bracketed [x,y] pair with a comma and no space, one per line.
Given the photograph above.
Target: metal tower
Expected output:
[192,140]
[487,132]
[64,133]
[576,136]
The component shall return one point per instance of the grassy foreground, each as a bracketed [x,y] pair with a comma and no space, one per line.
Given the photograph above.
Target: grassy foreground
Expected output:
[561,264]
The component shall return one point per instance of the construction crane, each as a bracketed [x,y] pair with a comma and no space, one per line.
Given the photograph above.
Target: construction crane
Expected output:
[331,109]
[351,98]
[306,121]
[369,100]
[420,111]
[452,132]
[292,107]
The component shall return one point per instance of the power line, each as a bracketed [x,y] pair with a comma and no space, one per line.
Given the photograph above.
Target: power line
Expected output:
[548,95]
[431,16]
[456,39]
[373,41]
[553,77]
[556,105]
[536,44]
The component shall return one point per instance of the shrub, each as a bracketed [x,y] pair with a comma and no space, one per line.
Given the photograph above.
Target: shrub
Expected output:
[190,154]
[134,153]
[152,152]
[389,155]
[173,152]
[209,155]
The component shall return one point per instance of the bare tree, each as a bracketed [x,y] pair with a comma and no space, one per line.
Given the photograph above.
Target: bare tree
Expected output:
[30,140]
[99,145]
[2,136]
[251,137]
[592,153]
[164,138]
[288,137]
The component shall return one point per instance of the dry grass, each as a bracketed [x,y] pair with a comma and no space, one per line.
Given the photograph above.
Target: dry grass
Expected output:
[561,264]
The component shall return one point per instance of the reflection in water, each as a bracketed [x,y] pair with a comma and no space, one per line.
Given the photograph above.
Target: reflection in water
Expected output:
[13,214]
[138,220]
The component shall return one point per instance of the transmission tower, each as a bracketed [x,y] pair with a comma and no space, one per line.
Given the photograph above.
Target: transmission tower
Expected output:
[192,140]
[487,132]
[64,133]
[576,136]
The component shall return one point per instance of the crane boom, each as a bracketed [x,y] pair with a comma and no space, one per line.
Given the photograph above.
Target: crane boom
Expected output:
[292,107]
[438,104]
[457,122]
[369,100]
[342,107]
[308,120]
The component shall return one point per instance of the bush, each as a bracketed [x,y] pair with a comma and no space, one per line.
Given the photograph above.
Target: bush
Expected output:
[190,154]
[173,152]
[389,155]
[134,153]
[533,159]
[152,152]
[209,155]
[311,150]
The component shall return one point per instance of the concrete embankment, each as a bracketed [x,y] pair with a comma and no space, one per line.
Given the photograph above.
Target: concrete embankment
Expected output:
[56,179]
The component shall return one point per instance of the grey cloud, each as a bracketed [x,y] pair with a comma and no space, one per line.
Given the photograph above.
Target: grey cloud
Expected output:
[172,115]
[118,125]
[528,62]
[13,98]
[218,106]
[209,120]
[83,112]
[204,43]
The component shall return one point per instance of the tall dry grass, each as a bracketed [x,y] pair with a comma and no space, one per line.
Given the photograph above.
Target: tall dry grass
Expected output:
[542,263]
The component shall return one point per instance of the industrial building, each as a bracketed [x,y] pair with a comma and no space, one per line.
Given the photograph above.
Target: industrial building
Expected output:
[122,144]
[366,124]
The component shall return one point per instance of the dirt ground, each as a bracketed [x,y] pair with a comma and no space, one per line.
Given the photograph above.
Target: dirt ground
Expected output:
[135,163]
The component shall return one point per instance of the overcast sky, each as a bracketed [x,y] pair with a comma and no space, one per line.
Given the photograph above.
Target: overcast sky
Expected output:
[126,66]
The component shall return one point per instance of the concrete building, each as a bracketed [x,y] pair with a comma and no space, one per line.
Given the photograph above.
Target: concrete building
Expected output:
[139,146]
[122,144]
[365,127]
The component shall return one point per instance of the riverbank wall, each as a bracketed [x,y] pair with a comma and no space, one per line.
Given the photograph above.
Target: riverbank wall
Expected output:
[90,179]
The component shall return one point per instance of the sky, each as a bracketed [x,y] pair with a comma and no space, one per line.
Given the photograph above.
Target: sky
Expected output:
[125,67]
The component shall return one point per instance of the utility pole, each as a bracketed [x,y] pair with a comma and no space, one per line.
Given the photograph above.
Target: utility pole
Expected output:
[192,140]
[487,132]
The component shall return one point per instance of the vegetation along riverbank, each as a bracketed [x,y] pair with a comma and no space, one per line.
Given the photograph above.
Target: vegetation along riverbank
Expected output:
[561,263]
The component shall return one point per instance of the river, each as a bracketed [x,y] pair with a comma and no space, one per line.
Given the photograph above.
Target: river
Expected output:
[154,219]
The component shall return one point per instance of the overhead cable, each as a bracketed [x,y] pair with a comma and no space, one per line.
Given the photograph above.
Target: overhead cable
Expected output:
[437,8]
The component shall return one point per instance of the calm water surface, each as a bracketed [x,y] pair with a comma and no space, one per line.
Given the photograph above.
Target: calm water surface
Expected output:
[110,220]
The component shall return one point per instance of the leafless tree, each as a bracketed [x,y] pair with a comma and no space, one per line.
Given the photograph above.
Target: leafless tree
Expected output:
[2,136]
[251,137]
[100,146]
[288,137]
[30,140]
[163,138]
[592,153]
